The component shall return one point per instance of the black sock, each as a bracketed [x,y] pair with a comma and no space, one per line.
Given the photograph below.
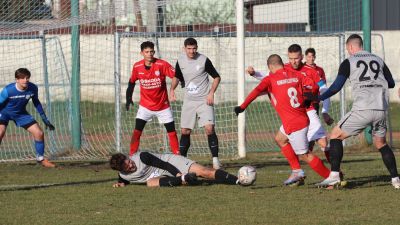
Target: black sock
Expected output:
[389,160]
[170,181]
[213,144]
[184,144]
[336,154]
[225,178]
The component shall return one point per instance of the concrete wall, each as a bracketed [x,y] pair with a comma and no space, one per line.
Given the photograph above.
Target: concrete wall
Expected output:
[97,59]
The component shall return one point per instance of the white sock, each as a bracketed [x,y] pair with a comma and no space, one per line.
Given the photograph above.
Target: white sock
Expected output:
[215,160]
[334,175]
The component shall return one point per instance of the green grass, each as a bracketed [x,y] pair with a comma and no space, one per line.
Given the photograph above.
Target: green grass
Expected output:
[81,193]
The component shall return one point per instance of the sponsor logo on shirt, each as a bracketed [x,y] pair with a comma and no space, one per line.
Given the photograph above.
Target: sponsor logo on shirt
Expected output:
[150,83]
[157,73]
[287,81]
[28,96]
[192,88]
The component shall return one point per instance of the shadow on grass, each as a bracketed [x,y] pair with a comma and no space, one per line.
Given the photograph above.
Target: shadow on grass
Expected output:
[368,182]
[5,188]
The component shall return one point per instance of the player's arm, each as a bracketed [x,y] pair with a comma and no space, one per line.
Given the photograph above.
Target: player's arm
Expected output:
[256,74]
[263,87]
[175,81]
[337,85]
[326,103]
[388,76]
[210,69]
[129,93]
[121,182]
[39,109]
[151,160]
[179,74]
[3,98]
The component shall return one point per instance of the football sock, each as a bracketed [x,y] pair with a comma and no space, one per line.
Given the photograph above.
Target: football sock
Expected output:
[170,181]
[327,155]
[213,144]
[173,142]
[225,178]
[318,166]
[389,160]
[336,154]
[291,157]
[184,144]
[135,140]
[39,146]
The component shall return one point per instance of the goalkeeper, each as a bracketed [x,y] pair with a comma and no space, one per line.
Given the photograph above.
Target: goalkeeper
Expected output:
[13,100]
[164,170]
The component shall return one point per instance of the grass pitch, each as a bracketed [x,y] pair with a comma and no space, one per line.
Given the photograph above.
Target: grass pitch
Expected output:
[81,193]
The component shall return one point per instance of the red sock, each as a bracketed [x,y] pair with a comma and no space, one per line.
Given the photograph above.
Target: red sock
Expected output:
[318,166]
[327,156]
[173,142]
[135,141]
[291,157]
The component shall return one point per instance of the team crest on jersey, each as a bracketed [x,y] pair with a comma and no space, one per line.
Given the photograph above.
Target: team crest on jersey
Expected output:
[157,73]
[198,67]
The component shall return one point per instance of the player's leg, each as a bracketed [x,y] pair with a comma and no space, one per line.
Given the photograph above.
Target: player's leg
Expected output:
[168,181]
[38,136]
[207,120]
[297,175]
[3,128]
[379,139]
[184,143]
[219,175]
[165,117]
[316,132]
[188,121]
[299,142]
[143,115]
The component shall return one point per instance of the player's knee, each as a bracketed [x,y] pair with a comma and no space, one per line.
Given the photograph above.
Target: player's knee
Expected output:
[39,135]
[206,172]
[379,143]
[185,131]
[209,129]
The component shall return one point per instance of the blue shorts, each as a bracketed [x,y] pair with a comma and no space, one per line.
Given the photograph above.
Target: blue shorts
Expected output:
[24,120]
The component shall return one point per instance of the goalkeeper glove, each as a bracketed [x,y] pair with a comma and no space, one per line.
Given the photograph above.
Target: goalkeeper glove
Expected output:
[48,125]
[238,110]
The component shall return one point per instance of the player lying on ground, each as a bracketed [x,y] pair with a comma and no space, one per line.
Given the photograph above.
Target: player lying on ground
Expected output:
[13,100]
[286,88]
[370,79]
[164,170]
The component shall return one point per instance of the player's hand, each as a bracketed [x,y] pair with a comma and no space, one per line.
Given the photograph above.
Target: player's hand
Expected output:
[328,119]
[48,125]
[210,99]
[128,103]
[238,110]
[250,70]
[308,96]
[118,184]
[172,97]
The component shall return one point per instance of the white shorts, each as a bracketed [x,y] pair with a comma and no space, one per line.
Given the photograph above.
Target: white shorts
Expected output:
[298,140]
[315,129]
[164,116]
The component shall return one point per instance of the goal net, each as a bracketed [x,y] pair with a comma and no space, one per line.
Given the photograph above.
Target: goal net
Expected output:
[38,35]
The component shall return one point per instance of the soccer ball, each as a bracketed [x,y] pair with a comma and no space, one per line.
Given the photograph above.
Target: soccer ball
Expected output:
[247,175]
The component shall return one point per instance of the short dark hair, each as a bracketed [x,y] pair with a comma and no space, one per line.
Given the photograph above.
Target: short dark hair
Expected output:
[355,38]
[117,161]
[274,59]
[22,73]
[294,48]
[310,50]
[190,41]
[146,44]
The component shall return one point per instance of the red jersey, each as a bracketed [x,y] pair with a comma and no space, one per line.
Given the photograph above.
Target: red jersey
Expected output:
[286,88]
[310,73]
[153,88]
[320,71]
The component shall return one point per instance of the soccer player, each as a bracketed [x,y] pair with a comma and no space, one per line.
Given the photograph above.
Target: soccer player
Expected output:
[285,88]
[370,79]
[151,73]
[13,100]
[192,70]
[310,62]
[164,170]
[315,130]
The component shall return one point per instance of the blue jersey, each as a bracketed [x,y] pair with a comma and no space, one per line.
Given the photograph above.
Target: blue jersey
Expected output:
[13,101]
